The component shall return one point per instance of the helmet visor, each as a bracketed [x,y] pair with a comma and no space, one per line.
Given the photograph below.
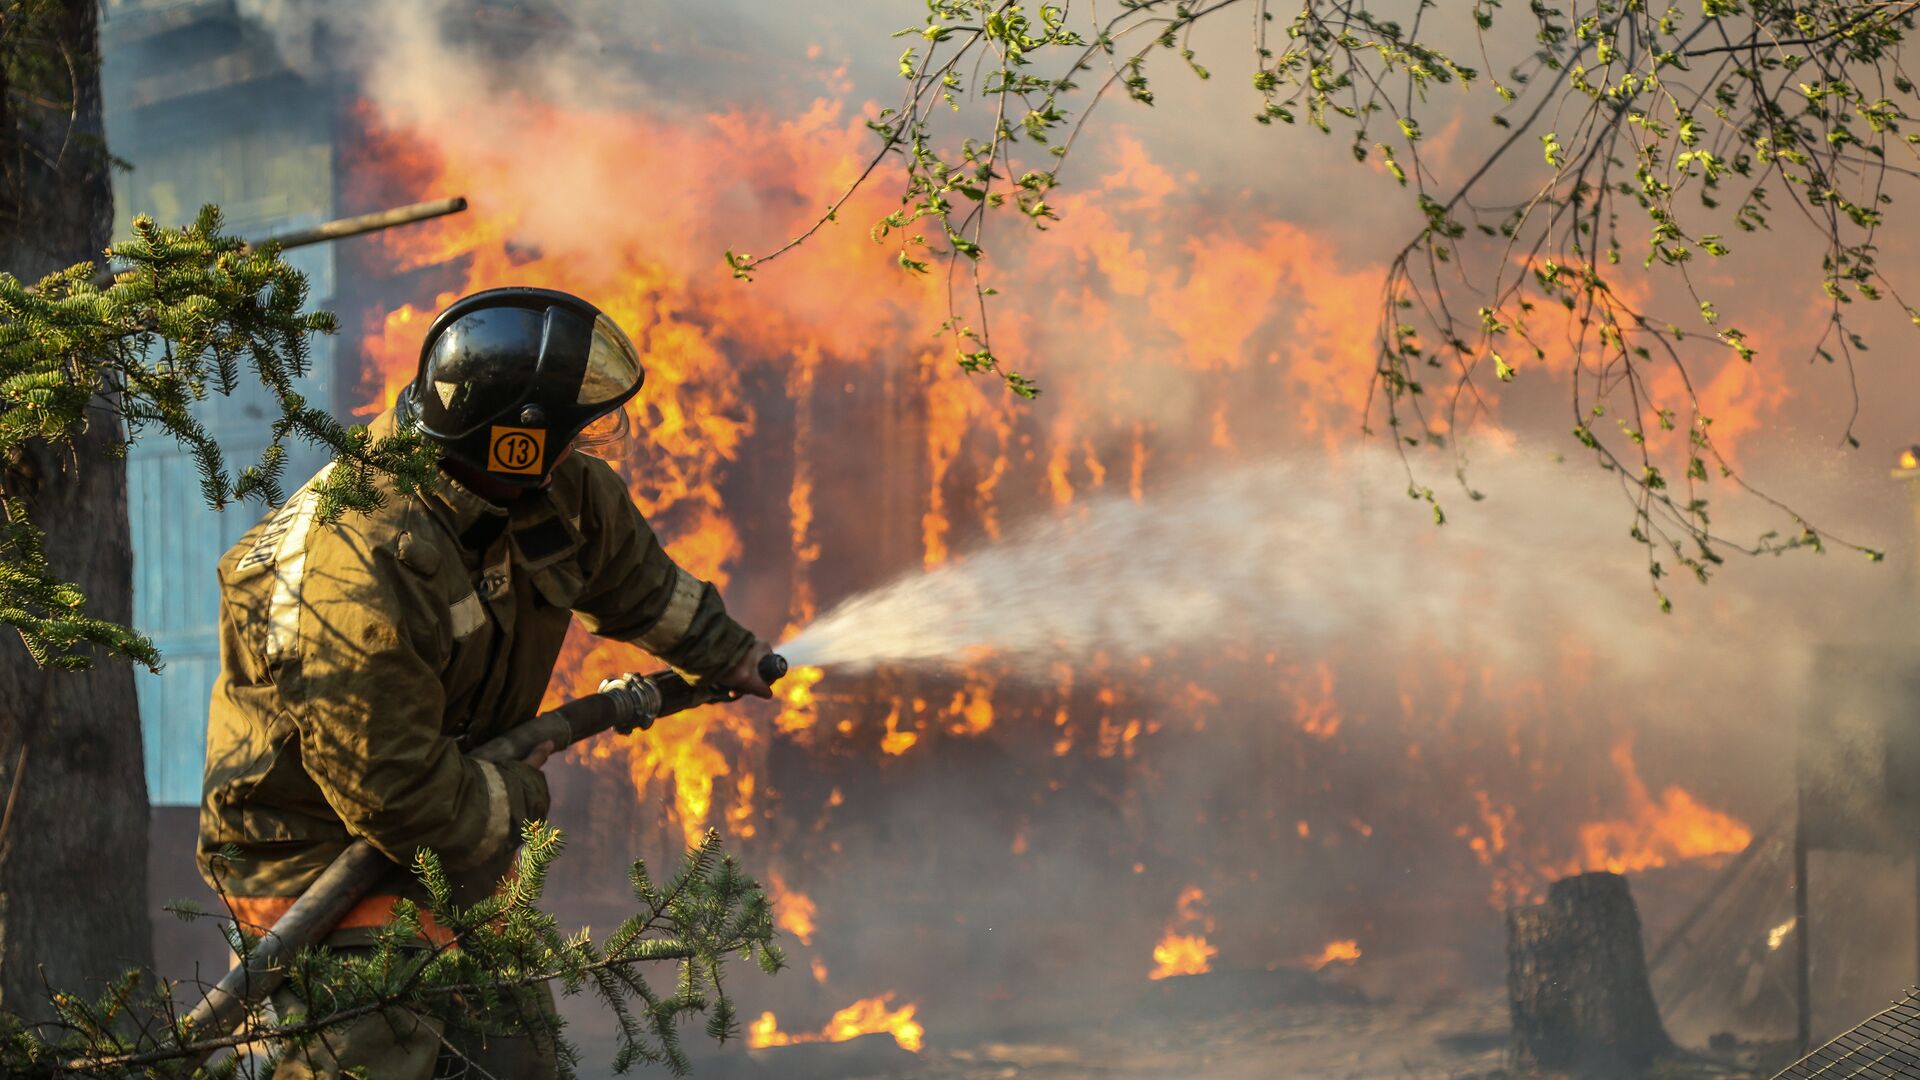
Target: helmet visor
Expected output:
[613,366]
[605,438]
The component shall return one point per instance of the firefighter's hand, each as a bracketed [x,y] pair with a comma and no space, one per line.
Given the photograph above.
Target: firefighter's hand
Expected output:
[537,757]
[745,676]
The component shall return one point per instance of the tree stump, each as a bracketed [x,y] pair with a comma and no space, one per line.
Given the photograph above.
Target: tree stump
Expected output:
[1577,982]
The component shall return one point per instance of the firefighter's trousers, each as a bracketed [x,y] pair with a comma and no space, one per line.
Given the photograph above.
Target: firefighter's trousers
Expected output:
[399,1044]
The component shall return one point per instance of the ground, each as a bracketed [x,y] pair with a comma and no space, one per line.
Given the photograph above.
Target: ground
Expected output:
[1460,1039]
[1225,1025]
[1178,1029]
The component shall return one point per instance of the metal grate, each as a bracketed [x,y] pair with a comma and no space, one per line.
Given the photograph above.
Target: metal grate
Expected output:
[1887,1044]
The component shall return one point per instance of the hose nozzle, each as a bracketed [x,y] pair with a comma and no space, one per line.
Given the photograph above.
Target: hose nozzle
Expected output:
[642,699]
[772,668]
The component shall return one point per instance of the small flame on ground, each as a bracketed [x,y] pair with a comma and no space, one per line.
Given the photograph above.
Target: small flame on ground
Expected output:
[1185,953]
[1182,954]
[1336,952]
[868,1016]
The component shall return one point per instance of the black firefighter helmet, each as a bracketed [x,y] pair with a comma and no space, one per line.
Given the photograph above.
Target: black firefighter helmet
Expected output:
[510,377]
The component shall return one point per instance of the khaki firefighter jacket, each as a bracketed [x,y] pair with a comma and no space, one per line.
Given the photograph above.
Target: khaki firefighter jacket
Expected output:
[362,659]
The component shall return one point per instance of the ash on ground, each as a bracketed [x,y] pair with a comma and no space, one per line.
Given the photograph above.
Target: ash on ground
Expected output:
[1225,1025]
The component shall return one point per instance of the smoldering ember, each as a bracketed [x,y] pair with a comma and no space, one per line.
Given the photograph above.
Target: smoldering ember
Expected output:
[1154,540]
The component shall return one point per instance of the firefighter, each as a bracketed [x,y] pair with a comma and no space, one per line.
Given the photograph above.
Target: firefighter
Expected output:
[362,659]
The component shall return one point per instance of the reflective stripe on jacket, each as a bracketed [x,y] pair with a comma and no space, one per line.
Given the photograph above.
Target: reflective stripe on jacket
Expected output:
[257,914]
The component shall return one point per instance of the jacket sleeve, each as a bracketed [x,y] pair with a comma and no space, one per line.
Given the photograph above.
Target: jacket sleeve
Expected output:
[365,694]
[636,593]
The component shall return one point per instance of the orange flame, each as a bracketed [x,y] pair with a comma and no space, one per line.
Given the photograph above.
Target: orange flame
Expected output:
[1182,954]
[796,699]
[1336,952]
[1241,315]
[895,741]
[1188,907]
[868,1016]
[690,405]
[971,711]
[1316,708]
[1676,827]
[1673,829]
[806,549]
[1185,953]
[793,910]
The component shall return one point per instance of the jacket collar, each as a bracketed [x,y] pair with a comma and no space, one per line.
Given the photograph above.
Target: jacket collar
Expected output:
[472,519]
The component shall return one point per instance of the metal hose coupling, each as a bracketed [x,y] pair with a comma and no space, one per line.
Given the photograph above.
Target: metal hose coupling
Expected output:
[637,699]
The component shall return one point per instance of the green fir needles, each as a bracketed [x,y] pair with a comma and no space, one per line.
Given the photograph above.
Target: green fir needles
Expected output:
[504,952]
[189,312]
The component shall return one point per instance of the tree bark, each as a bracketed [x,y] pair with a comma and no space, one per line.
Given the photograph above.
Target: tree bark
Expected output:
[73,798]
[1577,982]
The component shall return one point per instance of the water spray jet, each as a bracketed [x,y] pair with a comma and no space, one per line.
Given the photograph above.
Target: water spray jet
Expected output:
[1273,556]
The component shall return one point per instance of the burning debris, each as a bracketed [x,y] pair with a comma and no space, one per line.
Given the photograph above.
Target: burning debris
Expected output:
[1181,954]
[1336,952]
[868,1016]
[1184,949]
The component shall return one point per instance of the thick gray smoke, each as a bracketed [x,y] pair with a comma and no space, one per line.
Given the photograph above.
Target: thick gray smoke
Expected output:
[1293,555]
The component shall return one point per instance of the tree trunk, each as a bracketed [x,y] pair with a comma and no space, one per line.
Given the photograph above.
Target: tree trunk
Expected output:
[73,821]
[1577,982]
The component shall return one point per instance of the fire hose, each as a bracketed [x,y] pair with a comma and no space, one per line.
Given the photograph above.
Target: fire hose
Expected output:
[625,704]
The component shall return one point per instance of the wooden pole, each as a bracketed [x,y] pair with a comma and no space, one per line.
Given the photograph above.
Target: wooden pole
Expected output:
[342,228]
[337,229]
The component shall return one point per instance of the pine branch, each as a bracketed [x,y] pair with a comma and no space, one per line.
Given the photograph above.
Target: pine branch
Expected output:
[506,948]
[194,313]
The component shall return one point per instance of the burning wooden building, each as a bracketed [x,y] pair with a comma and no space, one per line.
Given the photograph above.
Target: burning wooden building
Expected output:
[1354,769]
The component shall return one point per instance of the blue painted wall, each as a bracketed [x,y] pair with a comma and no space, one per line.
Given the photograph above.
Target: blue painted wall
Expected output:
[201,107]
